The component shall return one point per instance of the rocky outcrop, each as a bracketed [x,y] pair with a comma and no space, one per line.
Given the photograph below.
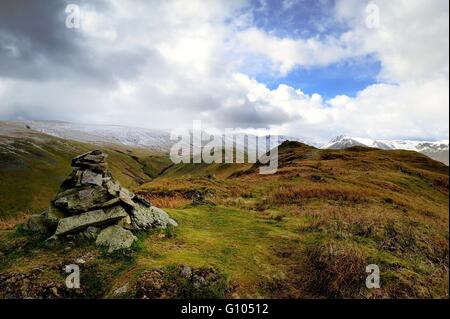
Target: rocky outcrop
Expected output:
[92,204]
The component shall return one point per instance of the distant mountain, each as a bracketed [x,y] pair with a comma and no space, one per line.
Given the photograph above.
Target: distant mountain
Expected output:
[158,140]
[104,134]
[438,150]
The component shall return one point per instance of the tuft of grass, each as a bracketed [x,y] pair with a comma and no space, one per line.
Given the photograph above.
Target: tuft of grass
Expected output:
[334,271]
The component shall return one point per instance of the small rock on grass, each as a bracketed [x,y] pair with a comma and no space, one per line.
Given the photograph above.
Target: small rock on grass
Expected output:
[115,238]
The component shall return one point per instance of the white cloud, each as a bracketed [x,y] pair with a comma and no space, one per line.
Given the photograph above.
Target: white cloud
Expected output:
[168,63]
[286,53]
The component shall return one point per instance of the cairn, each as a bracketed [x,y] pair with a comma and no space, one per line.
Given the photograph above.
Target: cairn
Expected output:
[92,204]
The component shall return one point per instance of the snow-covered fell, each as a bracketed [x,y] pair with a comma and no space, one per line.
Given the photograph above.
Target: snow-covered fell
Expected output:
[160,140]
[114,134]
[435,149]
[125,135]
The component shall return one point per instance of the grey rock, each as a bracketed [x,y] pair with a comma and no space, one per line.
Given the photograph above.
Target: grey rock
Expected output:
[91,232]
[37,223]
[53,215]
[122,290]
[74,179]
[99,168]
[83,199]
[94,161]
[115,237]
[111,202]
[143,217]
[186,271]
[91,178]
[125,197]
[93,157]
[141,199]
[92,218]
[113,188]
[125,222]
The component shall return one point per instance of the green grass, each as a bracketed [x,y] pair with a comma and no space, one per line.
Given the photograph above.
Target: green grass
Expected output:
[307,231]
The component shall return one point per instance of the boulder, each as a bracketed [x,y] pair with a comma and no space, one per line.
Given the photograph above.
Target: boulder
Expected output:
[37,223]
[83,199]
[93,218]
[115,237]
[143,217]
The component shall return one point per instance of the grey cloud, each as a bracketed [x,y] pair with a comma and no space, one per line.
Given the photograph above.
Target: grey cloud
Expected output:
[36,45]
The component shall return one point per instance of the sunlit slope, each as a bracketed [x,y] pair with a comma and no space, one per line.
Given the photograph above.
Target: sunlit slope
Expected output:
[33,165]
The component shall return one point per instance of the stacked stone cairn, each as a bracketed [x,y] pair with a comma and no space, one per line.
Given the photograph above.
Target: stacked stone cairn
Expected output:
[92,204]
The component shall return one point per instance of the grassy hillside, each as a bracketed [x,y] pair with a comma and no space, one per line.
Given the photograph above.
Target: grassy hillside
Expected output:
[310,229]
[307,231]
[33,165]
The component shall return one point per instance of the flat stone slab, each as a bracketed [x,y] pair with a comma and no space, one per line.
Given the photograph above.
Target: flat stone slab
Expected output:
[95,157]
[82,199]
[92,218]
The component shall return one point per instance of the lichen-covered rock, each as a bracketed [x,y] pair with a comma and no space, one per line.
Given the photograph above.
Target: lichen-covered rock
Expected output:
[94,160]
[126,198]
[53,215]
[74,179]
[83,199]
[91,178]
[115,238]
[90,199]
[92,218]
[126,223]
[37,223]
[143,217]
[112,187]
[91,232]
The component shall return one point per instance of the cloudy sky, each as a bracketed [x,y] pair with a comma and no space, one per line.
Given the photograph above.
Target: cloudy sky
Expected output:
[311,69]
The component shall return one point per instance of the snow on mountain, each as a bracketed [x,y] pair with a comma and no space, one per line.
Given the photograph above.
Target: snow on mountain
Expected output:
[114,134]
[160,140]
[438,150]
[130,136]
